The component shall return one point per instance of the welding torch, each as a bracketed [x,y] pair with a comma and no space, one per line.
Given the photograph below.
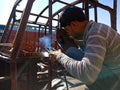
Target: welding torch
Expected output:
[52,57]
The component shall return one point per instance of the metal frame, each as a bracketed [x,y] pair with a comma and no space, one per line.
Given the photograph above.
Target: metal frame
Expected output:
[86,5]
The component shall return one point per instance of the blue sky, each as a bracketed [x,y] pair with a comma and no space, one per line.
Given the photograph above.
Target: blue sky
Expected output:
[103,16]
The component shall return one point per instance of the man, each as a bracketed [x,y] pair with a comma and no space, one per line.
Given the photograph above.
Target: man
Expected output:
[99,68]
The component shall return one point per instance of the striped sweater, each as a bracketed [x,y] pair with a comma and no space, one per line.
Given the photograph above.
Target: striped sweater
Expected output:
[102,48]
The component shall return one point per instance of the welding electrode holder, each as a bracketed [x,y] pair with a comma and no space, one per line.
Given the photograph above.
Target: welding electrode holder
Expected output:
[52,58]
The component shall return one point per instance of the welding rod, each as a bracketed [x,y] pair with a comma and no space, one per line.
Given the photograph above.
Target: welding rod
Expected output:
[60,46]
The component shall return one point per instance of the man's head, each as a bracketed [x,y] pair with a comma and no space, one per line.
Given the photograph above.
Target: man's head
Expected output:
[71,13]
[73,20]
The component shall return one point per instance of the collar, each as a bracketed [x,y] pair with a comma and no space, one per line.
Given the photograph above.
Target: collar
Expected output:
[87,28]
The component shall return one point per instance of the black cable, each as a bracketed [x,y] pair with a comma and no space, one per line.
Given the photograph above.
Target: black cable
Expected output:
[66,81]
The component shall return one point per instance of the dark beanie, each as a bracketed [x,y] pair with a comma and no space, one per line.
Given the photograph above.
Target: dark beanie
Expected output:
[71,13]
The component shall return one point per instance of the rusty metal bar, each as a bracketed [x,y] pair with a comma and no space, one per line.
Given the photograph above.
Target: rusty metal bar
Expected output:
[9,33]
[114,15]
[87,9]
[5,34]
[95,13]
[17,43]
[50,33]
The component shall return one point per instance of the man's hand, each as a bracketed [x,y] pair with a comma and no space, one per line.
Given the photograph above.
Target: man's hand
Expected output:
[53,55]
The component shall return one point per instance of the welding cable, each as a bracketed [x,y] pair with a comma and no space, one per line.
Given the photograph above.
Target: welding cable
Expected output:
[66,81]
[64,76]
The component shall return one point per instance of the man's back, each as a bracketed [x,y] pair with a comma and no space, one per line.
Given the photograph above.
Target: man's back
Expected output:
[109,39]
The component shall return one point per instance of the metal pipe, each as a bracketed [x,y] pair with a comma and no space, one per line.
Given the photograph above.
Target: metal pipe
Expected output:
[50,33]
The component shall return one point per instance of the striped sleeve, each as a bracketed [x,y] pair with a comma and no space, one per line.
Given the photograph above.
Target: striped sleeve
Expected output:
[89,67]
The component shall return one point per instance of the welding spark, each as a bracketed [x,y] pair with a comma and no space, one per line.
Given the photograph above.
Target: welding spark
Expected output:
[46,42]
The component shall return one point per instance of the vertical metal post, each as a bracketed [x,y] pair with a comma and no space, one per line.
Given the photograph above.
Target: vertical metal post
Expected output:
[50,33]
[87,9]
[95,11]
[38,47]
[114,15]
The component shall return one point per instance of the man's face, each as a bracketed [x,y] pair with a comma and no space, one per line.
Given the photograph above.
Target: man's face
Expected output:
[73,29]
[68,29]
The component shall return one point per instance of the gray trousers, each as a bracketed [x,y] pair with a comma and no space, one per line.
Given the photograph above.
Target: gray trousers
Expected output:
[110,82]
